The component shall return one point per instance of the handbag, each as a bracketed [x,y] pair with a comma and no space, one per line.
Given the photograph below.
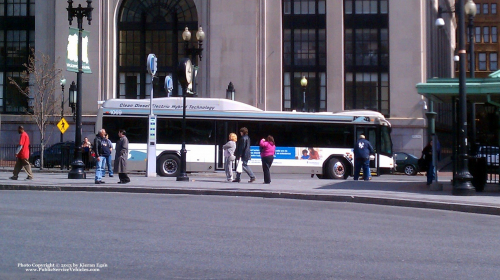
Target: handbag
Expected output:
[239,167]
[231,158]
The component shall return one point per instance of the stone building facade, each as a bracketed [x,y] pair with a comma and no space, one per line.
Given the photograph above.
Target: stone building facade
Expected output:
[356,54]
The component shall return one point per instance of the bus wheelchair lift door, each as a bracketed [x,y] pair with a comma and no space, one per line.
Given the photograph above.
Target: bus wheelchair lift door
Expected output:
[223,129]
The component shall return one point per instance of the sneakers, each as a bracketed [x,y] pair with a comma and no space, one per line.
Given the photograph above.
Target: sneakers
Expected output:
[29,178]
[110,175]
[251,180]
[99,182]
[13,178]
[236,180]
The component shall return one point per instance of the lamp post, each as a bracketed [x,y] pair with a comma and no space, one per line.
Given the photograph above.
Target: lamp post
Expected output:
[303,83]
[462,179]
[77,166]
[193,51]
[230,91]
[186,75]
[63,83]
[470,11]
[462,185]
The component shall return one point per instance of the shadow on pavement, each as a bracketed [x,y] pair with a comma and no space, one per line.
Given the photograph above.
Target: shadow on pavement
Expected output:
[407,187]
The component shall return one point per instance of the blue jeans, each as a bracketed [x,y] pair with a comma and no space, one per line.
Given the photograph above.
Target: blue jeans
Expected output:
[247,169]
[99,168]
[365,163]
[430,174]
[110,168]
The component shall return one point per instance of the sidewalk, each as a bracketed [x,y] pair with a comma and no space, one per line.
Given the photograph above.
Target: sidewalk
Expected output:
[396,190]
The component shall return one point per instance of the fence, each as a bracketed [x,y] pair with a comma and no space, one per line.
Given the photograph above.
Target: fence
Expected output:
[8,154]
[60,157]
[490,155]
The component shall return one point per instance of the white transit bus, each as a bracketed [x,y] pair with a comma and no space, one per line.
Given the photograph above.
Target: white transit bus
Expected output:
[308,143]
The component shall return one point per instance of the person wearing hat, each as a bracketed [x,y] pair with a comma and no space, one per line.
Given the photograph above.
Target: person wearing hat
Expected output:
[362,151]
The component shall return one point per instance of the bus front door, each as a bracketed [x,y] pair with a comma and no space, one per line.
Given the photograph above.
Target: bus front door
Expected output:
[222,136]
[371,135]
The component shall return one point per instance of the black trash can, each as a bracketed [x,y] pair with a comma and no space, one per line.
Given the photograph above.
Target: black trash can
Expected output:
[478,170]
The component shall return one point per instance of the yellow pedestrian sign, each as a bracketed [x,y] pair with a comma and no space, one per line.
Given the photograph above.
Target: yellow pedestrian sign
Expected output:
[63,125]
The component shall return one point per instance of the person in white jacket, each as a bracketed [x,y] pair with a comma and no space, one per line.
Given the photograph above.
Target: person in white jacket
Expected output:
[229,157]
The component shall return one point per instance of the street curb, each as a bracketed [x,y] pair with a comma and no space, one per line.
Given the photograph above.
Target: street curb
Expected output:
[436,205]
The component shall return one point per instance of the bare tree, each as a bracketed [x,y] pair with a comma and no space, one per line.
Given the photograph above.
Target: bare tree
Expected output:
[38,83]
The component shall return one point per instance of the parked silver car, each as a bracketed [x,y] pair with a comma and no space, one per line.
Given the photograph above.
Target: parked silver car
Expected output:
[490,153]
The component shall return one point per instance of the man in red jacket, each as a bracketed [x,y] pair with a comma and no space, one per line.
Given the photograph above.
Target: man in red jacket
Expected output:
[23,155]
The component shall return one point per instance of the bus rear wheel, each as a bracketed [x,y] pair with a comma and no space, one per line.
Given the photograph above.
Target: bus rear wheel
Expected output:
[169,165]
[337,169]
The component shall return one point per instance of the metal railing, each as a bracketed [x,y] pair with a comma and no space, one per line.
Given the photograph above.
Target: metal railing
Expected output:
[8,154]
[61,160]
[491,156]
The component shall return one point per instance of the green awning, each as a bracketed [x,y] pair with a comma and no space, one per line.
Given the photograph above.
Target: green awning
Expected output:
[477,89]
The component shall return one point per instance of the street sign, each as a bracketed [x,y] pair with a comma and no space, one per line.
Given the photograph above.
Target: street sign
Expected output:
[169,84]
[151,163]
[63,125]
[152,64]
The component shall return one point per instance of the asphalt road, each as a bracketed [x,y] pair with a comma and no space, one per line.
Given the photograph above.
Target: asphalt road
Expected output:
[147,236]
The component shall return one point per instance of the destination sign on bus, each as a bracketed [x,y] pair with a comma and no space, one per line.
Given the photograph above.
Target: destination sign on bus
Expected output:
[171,107]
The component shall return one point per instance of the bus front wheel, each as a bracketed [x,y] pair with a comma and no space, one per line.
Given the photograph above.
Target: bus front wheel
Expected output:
[169,165]
[337,169]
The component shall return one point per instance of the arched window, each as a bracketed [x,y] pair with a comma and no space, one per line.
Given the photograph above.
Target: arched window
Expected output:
[153,26]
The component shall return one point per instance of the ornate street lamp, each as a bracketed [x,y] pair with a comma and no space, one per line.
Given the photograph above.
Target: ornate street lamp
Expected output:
[193,51]
[73,97]
[77,166]
[462,179]
[186,76]
[303,83]
[63,83]
[462,183]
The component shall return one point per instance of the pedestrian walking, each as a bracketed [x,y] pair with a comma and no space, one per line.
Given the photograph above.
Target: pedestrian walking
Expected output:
[121,156]
[362,151]
[22,155]
[101,150]
[229,157]
[427,155]
[267,149]
[243,154]
[108,157]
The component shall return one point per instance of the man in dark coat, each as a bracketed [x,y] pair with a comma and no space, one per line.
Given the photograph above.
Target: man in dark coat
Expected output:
[243,154]
[121,156]
[362,151]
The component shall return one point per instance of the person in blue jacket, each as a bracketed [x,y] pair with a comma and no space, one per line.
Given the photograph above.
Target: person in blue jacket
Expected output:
[362,151]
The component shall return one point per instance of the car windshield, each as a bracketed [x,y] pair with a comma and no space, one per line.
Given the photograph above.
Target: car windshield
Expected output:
[489,149]
[404,156]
